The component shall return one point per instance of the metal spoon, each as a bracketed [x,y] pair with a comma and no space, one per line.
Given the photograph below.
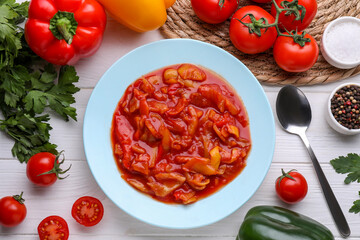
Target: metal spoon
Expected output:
[294,114]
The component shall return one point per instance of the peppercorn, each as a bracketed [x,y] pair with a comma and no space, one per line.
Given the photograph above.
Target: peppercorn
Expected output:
[344,106]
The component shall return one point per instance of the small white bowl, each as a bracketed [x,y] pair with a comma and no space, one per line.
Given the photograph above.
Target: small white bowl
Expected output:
[325,46]
[330,117]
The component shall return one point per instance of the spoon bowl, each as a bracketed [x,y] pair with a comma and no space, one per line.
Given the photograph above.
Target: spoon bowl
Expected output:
[294,114]
[293,109]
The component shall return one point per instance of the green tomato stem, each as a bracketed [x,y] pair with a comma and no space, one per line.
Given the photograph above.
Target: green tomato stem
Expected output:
[256,25]
[56,169]
[19,198]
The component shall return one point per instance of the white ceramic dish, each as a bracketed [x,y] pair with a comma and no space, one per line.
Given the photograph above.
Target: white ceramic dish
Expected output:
[97,142]
[330,117]
[329,54]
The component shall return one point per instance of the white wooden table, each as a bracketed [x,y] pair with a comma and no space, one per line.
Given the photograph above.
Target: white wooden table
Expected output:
[116,224]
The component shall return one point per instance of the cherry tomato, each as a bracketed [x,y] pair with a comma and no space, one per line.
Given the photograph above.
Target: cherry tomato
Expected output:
[214,11]
[288,21]
[291,187]
[248,42]
[291,57]
[87,211]
[12,210]
[53,227]
[43,169]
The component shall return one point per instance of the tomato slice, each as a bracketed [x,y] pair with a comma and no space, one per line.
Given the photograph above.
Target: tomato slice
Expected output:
[87,211]
[53,228]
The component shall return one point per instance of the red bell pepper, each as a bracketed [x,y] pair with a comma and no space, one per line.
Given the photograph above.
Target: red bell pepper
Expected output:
[63,31]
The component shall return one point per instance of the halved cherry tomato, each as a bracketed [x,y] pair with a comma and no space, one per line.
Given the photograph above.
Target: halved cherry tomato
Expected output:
[12,210]
[291,187]
[87,211]
[214,11]
[288,22]
[248,41]
[291,57]
[53,227]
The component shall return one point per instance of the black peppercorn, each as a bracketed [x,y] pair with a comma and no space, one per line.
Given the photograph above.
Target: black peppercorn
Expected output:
[344,105]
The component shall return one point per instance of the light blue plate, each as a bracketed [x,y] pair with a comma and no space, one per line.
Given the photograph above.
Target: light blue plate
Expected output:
[109,90]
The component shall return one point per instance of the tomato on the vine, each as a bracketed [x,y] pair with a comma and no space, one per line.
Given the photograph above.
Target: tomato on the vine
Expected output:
[12,210]
[43,169]
[251,39]
[214,11]
[287,20]
[53,227]
[87,211]
[292,57]
[291,187]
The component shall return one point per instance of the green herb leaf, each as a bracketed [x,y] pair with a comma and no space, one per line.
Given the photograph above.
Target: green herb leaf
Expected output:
[13,85]
[11,13]
[44,81]
[31,134]
[58,97]
[6,13]
[349,164]
[356,207]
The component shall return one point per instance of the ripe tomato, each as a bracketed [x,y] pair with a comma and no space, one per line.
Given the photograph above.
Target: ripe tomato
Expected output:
[291,187]
[53,227]
[288,21]
[44,168]
[87,211]
[12,210]
[291,57]
[248,42]
[214,11]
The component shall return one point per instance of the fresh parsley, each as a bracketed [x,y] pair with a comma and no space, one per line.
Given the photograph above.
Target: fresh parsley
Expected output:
[350,165]
[356,207]
[29,86]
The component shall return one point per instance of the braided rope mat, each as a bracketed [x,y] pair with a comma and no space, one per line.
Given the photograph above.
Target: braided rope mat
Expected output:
[183,23]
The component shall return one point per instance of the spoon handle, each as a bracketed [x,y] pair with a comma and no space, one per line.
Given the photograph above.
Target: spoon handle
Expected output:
[333,204]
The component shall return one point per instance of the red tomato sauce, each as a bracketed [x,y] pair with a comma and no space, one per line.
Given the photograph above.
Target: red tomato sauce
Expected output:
[180,133]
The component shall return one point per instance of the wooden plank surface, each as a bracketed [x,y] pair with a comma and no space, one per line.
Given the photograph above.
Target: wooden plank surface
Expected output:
[289,154]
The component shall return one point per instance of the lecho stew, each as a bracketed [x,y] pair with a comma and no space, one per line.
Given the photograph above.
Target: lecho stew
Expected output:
[180,133]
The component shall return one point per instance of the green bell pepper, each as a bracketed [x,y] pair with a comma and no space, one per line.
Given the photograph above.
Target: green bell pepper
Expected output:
[276,223]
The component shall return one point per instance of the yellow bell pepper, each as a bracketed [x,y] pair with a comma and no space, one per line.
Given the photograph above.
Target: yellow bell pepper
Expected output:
[138,15]
[169,3]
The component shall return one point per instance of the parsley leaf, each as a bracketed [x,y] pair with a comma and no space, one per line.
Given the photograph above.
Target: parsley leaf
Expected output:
[356,207]
[58,97]
[11,13]
[349,164]
[28,87]
[31,135]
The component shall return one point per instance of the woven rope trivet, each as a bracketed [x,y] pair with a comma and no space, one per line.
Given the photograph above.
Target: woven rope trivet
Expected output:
[183,23]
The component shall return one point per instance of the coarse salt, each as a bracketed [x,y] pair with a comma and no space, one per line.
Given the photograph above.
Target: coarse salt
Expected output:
[343,41]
